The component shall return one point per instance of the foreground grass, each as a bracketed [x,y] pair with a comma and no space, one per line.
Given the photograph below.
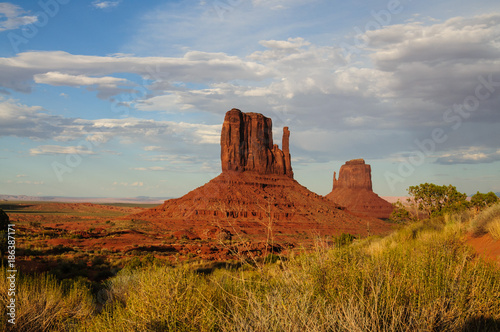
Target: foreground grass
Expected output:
[420,278]
[488,221]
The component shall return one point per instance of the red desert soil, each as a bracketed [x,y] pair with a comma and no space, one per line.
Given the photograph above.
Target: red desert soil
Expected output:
[253,207]
[486,246]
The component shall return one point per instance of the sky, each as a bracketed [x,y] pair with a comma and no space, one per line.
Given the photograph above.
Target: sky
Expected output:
[127,98]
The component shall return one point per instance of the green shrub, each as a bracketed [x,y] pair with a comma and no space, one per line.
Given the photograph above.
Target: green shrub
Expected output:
[343,239]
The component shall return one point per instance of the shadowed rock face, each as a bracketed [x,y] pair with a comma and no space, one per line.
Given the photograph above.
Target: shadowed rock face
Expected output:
[353,189]
[247,145]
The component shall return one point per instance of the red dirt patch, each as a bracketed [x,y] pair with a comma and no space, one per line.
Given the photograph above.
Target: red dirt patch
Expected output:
[486,246]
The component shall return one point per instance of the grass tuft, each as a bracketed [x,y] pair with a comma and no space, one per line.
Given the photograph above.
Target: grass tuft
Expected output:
[479,225]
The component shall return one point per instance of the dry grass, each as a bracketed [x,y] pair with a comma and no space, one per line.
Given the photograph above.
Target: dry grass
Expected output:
[420,278]
[493,228]
[43,304]
[480,224]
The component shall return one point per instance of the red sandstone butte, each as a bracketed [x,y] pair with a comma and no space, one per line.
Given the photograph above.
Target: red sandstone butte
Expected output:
[247,145]
[256,186]
[353,189]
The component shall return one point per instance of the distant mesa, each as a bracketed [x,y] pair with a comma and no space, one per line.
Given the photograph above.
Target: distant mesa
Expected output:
[353,189]
[256,185]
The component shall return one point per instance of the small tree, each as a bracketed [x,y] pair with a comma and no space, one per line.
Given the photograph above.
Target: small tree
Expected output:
[400,213]
[436,200]
[480,200]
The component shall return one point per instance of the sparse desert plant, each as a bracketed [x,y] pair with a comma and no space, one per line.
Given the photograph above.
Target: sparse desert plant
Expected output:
[479,224]
[343,239]
[400,213]
[494,228]
[43,304]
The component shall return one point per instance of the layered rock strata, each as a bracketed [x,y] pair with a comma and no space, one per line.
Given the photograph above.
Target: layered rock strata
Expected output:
[353,190]
[247,145]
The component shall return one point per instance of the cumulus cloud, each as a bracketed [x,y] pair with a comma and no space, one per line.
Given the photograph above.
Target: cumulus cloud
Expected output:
[106,86]
[13,17]
[28,121]
[439,62]
[183,146]
[62,68]
[60,79]
[471,155]
[412,75]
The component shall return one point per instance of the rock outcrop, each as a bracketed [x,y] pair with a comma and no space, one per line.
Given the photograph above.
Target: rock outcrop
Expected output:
[355,174]
[247,145]
[256,189]
[353,190]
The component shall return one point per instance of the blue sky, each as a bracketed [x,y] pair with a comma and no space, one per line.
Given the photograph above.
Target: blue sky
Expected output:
[126,98]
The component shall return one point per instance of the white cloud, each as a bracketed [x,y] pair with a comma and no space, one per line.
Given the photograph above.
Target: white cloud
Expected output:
[105,4]
[127,184]
[417,71]
[106,86]
[470,155]
[290,44]
[64,69]
[57,149]
[33,122]
[151,168]
[280,4]
[27,121]
[60,79]
[12,17]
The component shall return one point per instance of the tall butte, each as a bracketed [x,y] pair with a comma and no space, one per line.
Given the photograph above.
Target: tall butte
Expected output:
[353,189]
[256,185]
[247,145]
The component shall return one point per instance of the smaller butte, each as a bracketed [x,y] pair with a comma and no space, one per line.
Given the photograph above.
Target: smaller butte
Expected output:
[353,190]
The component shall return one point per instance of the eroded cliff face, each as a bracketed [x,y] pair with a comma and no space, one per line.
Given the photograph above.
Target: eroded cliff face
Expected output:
[353,190]
[247,145]
[355,174]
